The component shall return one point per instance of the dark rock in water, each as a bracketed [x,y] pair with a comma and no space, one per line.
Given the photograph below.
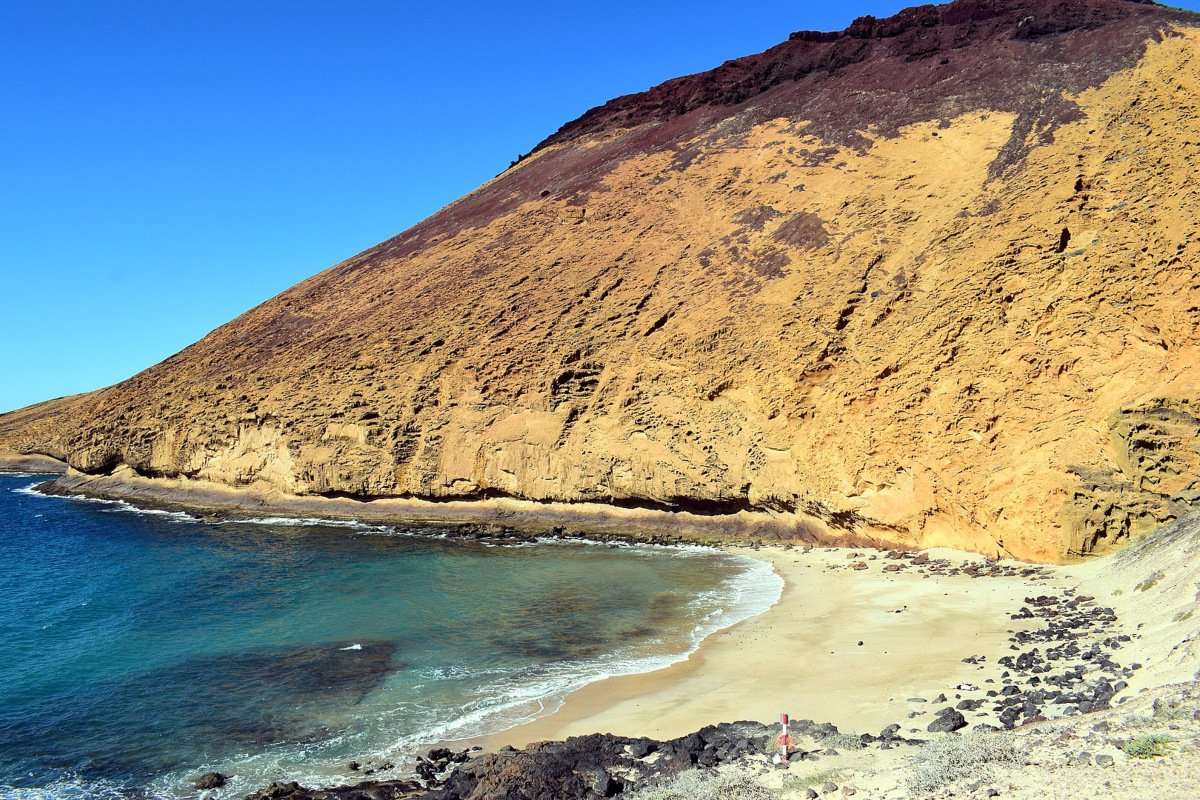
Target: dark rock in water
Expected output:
[210,780]
[426,770]
[435,762]
[368,790]
[246,700]
[948,720]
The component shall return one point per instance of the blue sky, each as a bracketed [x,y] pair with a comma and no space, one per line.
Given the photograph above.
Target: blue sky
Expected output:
[166,166]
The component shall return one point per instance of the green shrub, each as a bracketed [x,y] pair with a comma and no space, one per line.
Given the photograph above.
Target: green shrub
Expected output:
[946,760]
[1151,746]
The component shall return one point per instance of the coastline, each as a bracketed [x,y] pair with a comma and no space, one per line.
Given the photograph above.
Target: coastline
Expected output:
[777,660]
[32,463]
[863,640]
[802,655]
[601,521]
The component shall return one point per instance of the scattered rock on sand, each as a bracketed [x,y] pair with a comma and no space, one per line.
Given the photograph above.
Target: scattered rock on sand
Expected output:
[948,720]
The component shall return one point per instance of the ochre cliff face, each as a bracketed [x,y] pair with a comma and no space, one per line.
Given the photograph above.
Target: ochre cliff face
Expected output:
[937,284]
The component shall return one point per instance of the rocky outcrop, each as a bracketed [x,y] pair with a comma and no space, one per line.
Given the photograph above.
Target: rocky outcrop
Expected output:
[929,280]
[209,780]
[367,790]
[590,767]
[1154,477]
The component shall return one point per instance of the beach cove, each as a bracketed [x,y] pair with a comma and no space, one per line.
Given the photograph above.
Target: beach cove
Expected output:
[842,645]
[870,651]
[151,645]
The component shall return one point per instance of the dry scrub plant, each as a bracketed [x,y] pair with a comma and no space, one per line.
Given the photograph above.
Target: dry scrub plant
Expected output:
[699,784]
[952,758]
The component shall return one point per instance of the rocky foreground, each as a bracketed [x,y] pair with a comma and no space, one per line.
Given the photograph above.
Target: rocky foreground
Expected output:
[1148,748]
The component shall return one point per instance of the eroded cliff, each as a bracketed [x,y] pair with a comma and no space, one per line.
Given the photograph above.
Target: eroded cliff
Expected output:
[932,280]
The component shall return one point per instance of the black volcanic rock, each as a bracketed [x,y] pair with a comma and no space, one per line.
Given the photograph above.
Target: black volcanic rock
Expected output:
[368,790]
[948,720]
[210,780]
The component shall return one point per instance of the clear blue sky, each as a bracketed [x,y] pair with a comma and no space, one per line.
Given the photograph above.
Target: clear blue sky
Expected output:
[166,166]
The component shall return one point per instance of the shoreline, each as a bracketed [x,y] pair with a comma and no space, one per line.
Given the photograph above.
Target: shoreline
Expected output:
[814,580]
[34,463]
[810,579]
[768,664]
[519,734]
[601,521]
[861,640]
[648,728]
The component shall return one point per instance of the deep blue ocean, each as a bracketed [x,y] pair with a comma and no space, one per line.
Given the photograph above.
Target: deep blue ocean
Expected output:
[143,648]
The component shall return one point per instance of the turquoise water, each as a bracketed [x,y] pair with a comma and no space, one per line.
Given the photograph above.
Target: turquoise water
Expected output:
[142,648]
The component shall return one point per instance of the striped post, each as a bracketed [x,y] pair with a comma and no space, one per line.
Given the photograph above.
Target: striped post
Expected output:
[784,741]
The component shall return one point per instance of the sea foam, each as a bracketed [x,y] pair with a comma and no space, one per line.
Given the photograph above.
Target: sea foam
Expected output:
[304,522]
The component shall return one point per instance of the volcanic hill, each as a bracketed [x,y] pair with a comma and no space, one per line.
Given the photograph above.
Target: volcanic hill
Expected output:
[929,280]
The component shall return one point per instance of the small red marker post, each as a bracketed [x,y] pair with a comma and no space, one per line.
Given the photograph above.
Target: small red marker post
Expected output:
[784,740]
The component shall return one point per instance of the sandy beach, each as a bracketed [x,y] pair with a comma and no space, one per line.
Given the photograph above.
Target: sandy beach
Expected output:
[850,646]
